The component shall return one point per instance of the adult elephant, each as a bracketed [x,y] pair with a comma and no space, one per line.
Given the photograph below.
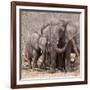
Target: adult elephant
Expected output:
[72,33]
[32,51]
[35,50]
[53,32]
[43,48]
[73,36]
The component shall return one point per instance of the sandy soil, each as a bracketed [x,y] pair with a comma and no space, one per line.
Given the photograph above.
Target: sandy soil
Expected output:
[29,74]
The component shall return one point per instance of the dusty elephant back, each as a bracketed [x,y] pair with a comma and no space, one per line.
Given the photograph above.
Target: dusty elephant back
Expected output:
[53,31]
[32,43]
[34,40]
[71,30]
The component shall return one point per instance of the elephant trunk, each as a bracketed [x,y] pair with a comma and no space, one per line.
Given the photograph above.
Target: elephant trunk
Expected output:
[61,50]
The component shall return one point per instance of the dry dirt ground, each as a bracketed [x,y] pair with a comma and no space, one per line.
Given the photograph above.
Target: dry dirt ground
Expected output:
[27,74]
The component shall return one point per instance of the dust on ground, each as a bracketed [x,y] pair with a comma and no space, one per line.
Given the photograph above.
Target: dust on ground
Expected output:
[29,74]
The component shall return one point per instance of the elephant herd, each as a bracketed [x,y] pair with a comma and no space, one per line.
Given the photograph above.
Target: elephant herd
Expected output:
[52,48]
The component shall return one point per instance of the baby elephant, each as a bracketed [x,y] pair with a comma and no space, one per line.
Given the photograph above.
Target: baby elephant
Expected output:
[69,57]
[42,46]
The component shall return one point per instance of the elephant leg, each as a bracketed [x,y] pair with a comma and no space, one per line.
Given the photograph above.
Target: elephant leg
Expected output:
[30,65]
[60,62]
[52,62]
[27,57]
[67,58]
[47,60]
[75,47]
[67,64]
[34,59]
[40,61]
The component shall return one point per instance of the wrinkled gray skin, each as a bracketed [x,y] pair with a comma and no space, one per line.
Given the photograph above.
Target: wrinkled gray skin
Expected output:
[46,46]
[53,32]
[32,50]
[60,62]
[71,47]
[57,45]
[35,50]
[72,34]
[43,48]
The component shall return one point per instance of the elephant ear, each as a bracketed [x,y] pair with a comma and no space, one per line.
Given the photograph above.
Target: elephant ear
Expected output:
[34,39]
[71,31]
[42,43]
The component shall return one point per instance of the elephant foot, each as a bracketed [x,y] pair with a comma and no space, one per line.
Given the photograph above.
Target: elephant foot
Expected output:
[61,69]
[41,70]
[30,67]
[35,69]
[52,71]
[25,67]
[34,66]
[68,70]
